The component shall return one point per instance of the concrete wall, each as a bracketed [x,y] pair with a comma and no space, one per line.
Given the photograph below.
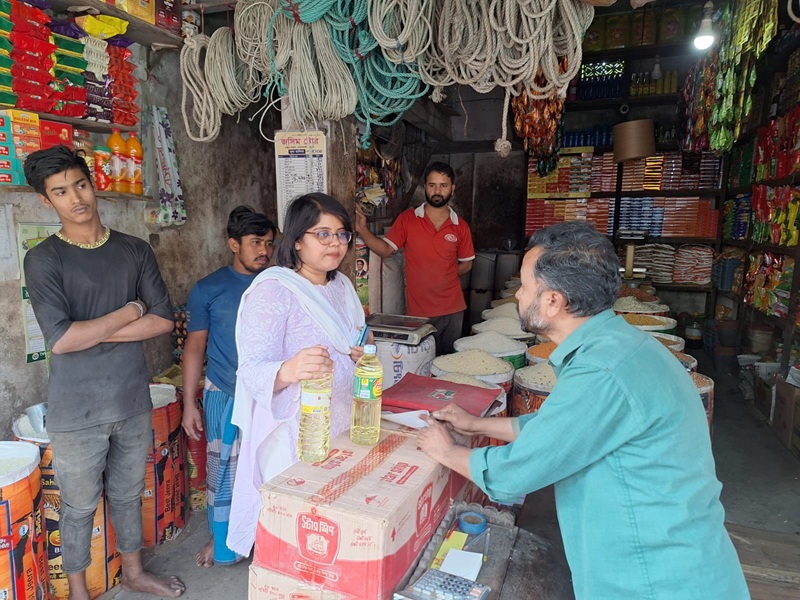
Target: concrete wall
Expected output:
[238,168]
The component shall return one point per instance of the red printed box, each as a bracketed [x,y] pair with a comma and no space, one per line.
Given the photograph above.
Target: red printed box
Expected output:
[357,522]
[168,15]
[268,585]
[55,134]
[14,178]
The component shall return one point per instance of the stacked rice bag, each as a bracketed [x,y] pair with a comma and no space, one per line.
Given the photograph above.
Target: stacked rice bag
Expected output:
[27,78]
[123,86]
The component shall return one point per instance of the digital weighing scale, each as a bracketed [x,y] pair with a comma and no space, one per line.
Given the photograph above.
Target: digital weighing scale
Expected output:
[400,328]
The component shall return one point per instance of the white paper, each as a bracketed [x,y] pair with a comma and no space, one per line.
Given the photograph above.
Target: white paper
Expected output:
[408,419]
[462,563]
[9,264]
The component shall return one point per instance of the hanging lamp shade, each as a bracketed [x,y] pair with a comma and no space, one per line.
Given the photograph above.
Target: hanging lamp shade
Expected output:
[633,140]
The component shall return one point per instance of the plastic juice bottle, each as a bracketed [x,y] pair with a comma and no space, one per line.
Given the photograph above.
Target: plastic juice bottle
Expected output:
[133,172]
[119,157]
[313,443]
[365,427]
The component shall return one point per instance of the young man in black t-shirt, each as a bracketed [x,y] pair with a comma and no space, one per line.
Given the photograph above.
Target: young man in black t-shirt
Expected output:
[96,294]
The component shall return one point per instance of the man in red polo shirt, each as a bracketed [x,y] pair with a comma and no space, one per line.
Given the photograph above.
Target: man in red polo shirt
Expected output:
[438,250]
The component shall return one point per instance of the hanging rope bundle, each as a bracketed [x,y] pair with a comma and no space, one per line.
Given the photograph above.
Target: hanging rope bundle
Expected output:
[251,21]
[204,112]
[229,80]
[305,11]
[402,28]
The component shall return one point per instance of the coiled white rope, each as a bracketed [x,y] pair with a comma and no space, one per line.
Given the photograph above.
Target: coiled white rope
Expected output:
[230,82]
[792,15]
[402,28]
[251,20]
[205,113]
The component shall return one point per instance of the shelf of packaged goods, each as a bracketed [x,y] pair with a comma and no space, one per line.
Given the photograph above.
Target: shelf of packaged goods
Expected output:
[789,250]
[680,240]
[765,318]
[93,126]
[689,193]
[606,103]
[637,52]
[106,195]
[683,287]
[736,243]
[139,31]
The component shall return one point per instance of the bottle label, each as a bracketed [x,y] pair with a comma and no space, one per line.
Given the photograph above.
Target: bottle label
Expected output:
[368,388]
[312,402]
[118,166]
[134,169]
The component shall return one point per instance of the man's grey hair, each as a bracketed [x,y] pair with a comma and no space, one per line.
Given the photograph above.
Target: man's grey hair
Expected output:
[580,263]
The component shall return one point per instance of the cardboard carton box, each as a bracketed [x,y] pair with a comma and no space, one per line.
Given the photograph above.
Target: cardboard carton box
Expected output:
[54,134]
[168,15]
[786,398]
[765,397]
[268,585]
[13,178]
[358,521]
[141,9]
[21,116]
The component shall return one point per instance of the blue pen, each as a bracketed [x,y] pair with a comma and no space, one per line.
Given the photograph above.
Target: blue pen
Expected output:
[362,335]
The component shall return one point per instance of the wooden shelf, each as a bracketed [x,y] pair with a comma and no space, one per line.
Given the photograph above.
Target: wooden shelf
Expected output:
[790,250]
[88,125]
[211,6]
[680,240]
[671,193]
[604,103]
[639,52]
[739,190]
[788,180]
[736,243]
[684,287]
[558,195]
[106,195]
[139,31]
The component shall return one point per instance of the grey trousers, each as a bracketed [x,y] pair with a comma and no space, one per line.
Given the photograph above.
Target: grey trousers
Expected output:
[81,459]
[448,330]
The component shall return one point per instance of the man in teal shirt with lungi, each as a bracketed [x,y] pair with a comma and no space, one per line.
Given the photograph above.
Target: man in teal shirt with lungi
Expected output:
[623,436]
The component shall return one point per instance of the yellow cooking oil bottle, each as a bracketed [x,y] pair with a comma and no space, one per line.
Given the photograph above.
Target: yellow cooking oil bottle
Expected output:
[313,443]
[365,426]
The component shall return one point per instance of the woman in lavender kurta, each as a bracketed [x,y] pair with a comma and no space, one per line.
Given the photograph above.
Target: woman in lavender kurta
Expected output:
[297,321]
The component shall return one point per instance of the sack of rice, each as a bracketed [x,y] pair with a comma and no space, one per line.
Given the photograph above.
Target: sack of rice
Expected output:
[501,301]
[477,363]
[540,352]
[532,385]
[509,327]
[673,342]
[499,410]
[495,344]
[508,310]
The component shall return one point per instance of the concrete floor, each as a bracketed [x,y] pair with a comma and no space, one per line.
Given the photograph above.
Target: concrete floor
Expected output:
[761,489]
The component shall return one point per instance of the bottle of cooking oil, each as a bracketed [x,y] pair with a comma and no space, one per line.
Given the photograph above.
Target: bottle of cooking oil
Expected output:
[313,443]
[365,426]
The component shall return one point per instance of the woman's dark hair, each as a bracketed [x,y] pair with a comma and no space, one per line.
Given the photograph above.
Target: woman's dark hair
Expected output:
[303,213]
[243,221]
[43,163]
[579,262]
[439,167]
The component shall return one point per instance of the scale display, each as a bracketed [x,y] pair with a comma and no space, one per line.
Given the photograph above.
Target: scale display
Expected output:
[401,329]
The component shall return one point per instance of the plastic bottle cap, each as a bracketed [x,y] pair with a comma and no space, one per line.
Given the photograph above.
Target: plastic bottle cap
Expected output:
[370,349]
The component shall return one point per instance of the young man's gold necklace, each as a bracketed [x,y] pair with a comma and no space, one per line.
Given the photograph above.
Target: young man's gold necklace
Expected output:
[91,246]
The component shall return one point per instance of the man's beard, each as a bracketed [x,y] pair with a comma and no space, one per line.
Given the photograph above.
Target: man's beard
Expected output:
[437,200]
[531,321]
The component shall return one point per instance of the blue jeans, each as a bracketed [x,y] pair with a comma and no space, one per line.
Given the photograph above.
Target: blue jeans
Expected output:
[81,459]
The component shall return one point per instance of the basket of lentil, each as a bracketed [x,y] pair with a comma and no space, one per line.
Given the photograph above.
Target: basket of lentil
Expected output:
[506,326]
[532,385]
[688,361]
[496,344]
[477,363]
[651,323]
[501,301]
[673,342]
[540,352]
[638,293]
[632,305]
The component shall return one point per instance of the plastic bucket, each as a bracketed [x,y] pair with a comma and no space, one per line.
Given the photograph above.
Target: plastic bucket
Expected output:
[164,497]
[507,267]
[665,325]
[399,359]
[528,397]
[534,354]
[483,268]
[23,553]
[673,342]
[105,570]
[516,356]
[705,386]
[196,455]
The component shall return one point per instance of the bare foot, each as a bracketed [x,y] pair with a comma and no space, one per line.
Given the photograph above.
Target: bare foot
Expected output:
[148,583]
[205,557]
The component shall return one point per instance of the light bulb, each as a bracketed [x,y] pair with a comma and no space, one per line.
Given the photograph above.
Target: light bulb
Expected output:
[705,35]
[656,74]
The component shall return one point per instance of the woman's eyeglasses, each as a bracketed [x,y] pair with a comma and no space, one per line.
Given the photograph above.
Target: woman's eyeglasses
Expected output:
[325,237]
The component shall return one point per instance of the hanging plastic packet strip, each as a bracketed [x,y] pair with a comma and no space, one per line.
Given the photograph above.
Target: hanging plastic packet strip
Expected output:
[73,78]
[99,101]
[32,88]
[98,113]
[25,43]
[119,52]
[67,29]
[6,47]
[71,93]
[123,93]
[120,41]
[30,28]
[67,45]
[128,107]
[103,80]
[31,13]
[35,103]
[102,26]
[42,62]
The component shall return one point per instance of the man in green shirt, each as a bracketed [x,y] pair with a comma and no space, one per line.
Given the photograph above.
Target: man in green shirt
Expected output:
[623,436]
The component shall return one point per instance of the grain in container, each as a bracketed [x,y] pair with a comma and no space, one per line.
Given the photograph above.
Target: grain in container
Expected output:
[540,353]
[532,385]
[630,304]
[105,570]
[705,387]
[495,344]
[506,326]
[673,342]
[651,323]
[688,361]
[501,301]
[508,310]
[23,553]
[479,364]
